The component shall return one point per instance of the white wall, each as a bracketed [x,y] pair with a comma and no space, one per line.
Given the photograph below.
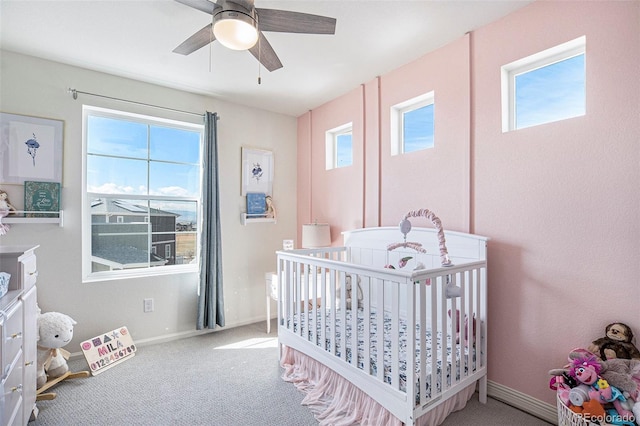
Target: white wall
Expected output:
[36,87]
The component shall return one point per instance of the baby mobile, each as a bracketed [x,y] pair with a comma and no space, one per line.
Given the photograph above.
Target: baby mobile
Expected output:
[405,227]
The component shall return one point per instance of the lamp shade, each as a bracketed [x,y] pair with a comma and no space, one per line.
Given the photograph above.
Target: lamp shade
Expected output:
[316,235]
[235,30]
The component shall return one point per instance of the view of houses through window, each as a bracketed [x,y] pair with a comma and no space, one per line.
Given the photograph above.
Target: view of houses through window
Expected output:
[142,193]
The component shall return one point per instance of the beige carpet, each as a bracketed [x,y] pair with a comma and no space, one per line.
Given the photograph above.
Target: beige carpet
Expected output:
[230,377]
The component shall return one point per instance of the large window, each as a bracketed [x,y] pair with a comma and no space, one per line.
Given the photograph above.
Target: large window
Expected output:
[546,87]
[412,125]
[142,198]
[339,146]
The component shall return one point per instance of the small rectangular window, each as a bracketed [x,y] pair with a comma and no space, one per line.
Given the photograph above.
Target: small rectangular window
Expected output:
[412,124]
[339,146]
[546,87]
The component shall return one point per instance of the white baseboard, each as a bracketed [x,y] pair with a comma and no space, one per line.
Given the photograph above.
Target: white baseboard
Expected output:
[183,335]
[524,402]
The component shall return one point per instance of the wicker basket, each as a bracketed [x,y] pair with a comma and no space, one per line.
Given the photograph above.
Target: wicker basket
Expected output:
[566,417]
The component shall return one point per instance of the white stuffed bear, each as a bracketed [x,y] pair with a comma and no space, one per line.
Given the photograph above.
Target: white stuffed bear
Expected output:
[55,330]
[349,293]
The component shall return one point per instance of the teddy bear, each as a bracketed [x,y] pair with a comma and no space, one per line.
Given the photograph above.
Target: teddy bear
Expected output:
[55,330]
[617,343]
[349,292]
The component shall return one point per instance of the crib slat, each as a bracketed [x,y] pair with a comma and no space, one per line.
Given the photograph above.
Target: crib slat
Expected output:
[422,309]
[395,347]
[332,325]
[443,336]
[380,329]
[323,309]
[436,329]
[354,318]
[366,333]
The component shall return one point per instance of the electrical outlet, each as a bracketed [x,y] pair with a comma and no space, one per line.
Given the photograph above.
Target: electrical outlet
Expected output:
[148,305]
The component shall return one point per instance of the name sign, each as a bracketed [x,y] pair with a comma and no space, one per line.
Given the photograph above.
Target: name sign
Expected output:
[108,349]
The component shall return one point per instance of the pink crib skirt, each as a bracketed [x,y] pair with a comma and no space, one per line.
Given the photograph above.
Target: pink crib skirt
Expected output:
[335,401]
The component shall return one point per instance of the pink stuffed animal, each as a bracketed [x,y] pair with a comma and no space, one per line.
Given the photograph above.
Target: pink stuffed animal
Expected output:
[587,371]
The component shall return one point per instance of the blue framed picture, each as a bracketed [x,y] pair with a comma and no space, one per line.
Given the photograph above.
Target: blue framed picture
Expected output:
[256,203]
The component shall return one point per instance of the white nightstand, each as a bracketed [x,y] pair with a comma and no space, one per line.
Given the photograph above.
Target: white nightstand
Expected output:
[271,290]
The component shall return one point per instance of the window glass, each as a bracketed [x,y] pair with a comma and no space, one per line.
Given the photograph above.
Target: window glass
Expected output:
[550,93]
[142,194]
[412,124]
[130,139]
[173,144]
[418,129]
[339,146]
[344,151]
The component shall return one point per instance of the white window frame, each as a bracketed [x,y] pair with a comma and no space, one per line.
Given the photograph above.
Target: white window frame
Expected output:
[510,71]
[87,274]
[331,145]
[397,119]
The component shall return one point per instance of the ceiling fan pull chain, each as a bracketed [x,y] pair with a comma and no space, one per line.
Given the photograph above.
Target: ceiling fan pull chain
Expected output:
[259,62]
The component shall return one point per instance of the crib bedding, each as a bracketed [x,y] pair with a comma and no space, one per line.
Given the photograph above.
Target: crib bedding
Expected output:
[335,401]
[458,361]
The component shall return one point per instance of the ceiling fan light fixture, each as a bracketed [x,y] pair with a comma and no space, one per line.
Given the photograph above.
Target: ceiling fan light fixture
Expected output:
[235,30]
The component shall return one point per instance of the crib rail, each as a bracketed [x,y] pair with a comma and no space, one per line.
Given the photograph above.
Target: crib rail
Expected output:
[412,307]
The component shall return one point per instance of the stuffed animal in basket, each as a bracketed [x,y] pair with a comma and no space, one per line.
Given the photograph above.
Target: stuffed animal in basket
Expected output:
[55,330]
[617,343]
[586,371]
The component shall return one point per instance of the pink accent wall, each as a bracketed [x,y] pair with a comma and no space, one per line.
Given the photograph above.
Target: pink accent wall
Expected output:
[336,196]
[560,201]
[435,178]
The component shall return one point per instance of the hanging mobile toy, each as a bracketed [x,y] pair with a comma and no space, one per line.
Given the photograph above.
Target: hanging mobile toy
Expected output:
[405,228]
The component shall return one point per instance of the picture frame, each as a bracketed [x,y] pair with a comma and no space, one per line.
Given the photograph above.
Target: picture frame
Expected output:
[30,148]
[256,204]
[257,171]
[41,197]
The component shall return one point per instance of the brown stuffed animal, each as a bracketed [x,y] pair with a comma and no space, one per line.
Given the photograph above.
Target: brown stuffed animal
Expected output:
[617,343]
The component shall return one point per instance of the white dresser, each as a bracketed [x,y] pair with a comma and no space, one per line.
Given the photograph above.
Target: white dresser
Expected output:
[18,329]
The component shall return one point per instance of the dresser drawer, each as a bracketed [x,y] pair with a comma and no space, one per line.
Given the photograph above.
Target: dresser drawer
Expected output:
[29,271]
[11,325]
[12,391]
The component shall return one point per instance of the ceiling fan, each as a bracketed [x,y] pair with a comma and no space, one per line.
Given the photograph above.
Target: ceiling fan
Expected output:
[238,25]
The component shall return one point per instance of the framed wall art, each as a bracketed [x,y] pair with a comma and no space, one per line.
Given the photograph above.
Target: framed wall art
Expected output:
[257,171]
[41,197]
[30,148]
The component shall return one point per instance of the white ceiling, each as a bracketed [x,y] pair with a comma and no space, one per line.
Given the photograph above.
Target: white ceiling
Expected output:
[135,39]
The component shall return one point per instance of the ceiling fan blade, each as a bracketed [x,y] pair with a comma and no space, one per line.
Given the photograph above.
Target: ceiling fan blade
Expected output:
[294,22]
[264,53]
[196,41]
[203,5]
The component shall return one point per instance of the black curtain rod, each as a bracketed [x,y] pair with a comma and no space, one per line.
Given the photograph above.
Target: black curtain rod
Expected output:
[75,93]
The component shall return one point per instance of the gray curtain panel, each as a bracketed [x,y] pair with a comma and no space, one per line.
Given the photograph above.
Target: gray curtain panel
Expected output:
[210,296]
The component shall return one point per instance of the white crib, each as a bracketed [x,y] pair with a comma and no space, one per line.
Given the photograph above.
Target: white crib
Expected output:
[414,305]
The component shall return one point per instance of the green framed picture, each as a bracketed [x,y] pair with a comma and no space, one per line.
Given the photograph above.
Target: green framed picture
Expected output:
[41,197]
